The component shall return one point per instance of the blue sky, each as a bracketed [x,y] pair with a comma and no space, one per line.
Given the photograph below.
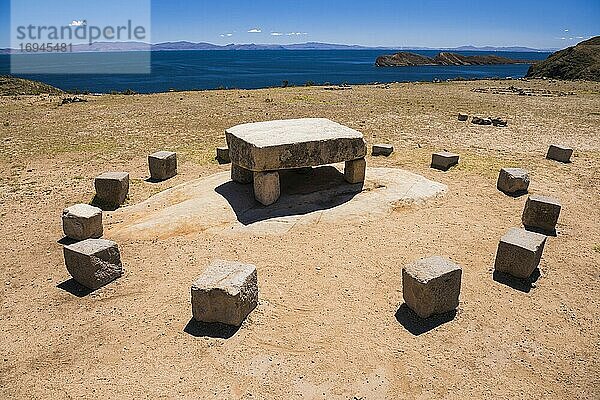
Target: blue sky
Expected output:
[431,23]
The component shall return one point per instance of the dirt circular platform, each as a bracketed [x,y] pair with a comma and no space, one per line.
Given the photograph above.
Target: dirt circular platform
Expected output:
[220,206]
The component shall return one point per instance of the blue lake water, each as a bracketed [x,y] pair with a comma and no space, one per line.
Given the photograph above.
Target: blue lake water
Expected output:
[191,70]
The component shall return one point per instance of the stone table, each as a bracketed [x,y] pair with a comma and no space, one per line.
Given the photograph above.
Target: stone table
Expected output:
[259,150]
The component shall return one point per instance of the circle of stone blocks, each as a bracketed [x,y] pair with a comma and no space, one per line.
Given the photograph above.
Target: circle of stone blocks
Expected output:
[382,150]
[82,221]
[463,117]
[431,286]
[112,187]
[444,160]
[559,153]
[226,293]
[163,165]
[93,262]
[519,252]
[513,180]
[541,212]
[223,155]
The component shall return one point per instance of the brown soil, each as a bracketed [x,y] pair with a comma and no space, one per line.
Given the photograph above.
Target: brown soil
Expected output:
[329,323]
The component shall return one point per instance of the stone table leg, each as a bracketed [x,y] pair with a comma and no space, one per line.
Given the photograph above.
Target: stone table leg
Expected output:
[355,170]
[266,187]
[240,175]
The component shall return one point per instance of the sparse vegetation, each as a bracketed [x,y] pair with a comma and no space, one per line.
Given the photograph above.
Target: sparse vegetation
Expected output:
[13,86]
[51,154]
[577,62]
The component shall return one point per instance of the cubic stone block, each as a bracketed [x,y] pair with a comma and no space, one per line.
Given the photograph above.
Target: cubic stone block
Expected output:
[82,221]
[266,187]
[112,187]
[223,155]
[559,153]
[241,175]
[225,293]
[541,212]
[294,143]
[382,150]
[163,165]
[93,262]
[463,117]
[499,122]
[519,252]
[431,286]
[513,180]
[355,171]
[444,160]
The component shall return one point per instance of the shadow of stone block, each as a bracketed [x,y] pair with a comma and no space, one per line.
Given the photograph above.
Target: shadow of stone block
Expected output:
[212,330]
[522,285]
[103,205]
[75,288]
[417,325]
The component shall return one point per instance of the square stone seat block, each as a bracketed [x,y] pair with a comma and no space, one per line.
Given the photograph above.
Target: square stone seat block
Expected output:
[519,252]
[560,153]
[431,286]
[382,150]
[223,155]
[163,165]
[444,160]
[541,212]
[513,180]
[225,293]
[112,187]
[93,262]
[82,221]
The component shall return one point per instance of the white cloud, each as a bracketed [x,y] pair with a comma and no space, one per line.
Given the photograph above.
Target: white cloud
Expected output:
[82,22]
[296,33]
[226,35]
[276,34]
[563,38]
[579,37]
[566,30]
[255,30]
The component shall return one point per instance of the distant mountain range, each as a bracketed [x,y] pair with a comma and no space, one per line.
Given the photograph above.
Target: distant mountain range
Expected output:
[183,45]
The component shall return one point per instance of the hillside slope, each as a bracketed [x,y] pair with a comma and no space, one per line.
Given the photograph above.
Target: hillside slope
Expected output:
[578,62]
[11,86]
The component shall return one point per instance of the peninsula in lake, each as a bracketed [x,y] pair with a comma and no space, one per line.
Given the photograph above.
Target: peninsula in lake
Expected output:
[406,59]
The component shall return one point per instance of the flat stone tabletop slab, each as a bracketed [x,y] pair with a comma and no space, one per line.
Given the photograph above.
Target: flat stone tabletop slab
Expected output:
[294,143]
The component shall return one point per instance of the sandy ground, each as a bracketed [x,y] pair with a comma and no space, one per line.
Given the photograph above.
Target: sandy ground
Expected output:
[330,323]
